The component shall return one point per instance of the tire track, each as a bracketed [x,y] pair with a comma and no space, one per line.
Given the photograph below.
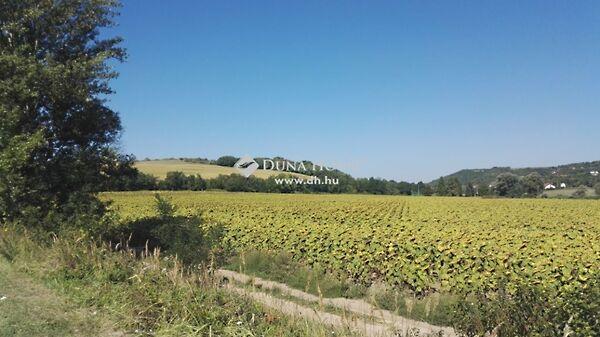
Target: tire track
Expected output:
[382,322]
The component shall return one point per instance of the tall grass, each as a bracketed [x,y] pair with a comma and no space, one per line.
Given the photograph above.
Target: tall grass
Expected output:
[148,293]
[280,267]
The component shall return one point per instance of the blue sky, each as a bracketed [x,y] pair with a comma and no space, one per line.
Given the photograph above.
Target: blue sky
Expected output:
[405,90]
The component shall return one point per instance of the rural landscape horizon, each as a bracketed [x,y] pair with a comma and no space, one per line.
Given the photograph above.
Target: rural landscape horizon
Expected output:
[299,169]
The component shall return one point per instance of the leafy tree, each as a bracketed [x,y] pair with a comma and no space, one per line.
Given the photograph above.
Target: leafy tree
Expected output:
[420,188]
[454,187]
[144,181]
[195,183]
[441,188]
[174,181]
[228,161]
[57,132]
[484,189]
[507,185]
[532,184]
[427,190]
[470,190]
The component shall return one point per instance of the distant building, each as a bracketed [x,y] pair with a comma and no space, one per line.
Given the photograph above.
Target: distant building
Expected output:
[594,173]
[563,185]
[549,187]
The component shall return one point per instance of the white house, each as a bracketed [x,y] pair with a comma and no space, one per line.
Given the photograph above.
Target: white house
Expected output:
[594,173]
[549,187]
[563,185]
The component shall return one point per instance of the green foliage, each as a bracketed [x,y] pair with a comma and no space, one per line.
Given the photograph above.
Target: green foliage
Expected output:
[529,310]
[484,190]
[264,181]
[470,190]
[228,161]
[418,244]
[177,181]
[280,267]
[186,237]
[57,132]
[427,190]
[125,177]
[507,185]
[164,207]
[196,183]
[151,293]
[574,174]
[580,192]
[454,187]
[581,304]
[532,184]
[174,181]
[32,310]
[441,188]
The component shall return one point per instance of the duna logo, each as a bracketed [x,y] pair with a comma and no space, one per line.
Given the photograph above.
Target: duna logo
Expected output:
[246,166]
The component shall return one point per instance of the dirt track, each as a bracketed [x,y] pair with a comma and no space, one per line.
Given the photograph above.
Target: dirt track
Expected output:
[363,317]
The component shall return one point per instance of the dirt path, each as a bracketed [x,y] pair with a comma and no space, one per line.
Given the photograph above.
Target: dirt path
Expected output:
[29,309]
[371,321]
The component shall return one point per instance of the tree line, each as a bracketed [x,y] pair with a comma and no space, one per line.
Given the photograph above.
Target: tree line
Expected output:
[506,185]
[130,179]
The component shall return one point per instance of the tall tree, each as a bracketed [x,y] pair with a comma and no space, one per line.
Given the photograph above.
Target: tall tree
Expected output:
[57,133]
[532,184]
[470,190]
[454,187]
[507,185]
[441,188]
[228,161]
[483,190]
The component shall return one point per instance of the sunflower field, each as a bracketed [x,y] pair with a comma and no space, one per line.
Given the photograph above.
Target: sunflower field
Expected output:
[419,243]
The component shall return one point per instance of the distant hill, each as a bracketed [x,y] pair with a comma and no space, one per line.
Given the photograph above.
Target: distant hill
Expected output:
[575,174]
[159,169]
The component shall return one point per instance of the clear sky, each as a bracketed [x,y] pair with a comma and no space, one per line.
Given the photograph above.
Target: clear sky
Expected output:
[401,90]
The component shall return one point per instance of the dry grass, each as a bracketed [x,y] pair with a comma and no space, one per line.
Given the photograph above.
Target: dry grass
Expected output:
[28,308]
[151,294]
[568,192]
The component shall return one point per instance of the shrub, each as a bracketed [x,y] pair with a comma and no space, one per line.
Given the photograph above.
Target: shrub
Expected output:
[228,161]
[186,237]
[532,311]
[151,295]
[580,192]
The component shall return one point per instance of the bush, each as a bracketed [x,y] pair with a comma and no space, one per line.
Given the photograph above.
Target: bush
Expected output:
[151,295]
[580,192]
[186,237]
[174,181]
[228,161]
[532,311]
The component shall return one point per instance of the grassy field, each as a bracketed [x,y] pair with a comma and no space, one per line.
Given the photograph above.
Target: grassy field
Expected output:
[159,169]
[419,243]
[29,309]
[568,192]
[73,287]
